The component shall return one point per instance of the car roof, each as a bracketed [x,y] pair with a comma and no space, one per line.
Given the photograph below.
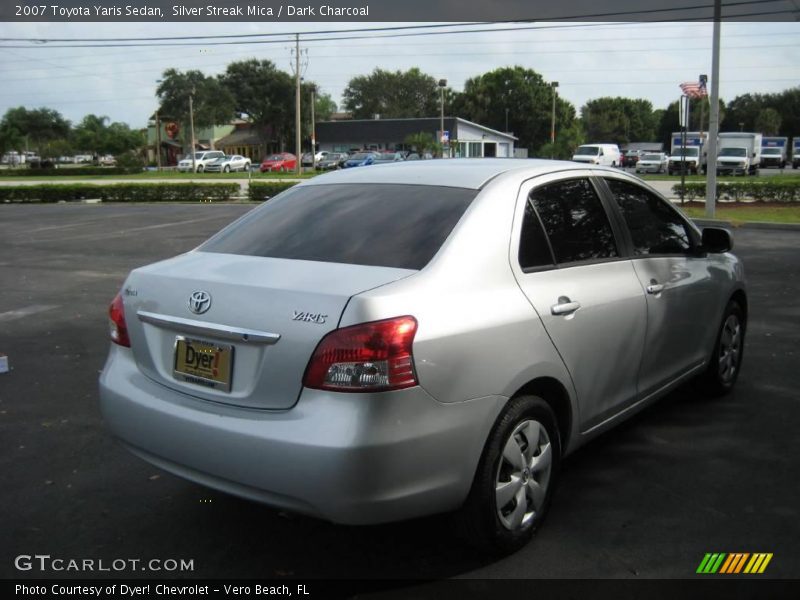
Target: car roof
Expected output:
[470,173]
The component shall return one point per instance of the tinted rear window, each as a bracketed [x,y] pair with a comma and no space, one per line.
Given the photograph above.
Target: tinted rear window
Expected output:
[382,225]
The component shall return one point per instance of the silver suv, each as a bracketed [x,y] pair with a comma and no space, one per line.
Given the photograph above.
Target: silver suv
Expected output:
[379,344]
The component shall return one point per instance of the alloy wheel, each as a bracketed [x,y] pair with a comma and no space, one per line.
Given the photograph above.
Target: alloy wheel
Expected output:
[730,346]
[523,475]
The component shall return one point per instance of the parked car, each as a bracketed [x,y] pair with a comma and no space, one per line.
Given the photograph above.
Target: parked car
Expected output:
[383,158]
[655,162]
[201,160]
[279,162]
[226,164]
[439,341]
[360,159]
[332,160]
[309,159]
[107,161]
[629,158]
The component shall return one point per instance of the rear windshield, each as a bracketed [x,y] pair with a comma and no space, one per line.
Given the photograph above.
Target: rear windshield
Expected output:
[384,225]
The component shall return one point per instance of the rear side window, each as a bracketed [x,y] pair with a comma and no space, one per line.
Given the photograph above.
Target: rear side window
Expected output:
[575,221]
[655,228]
[384,225]
[533,249]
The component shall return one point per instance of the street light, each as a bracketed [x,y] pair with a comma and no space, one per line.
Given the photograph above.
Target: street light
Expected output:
[442,85]
[554,85]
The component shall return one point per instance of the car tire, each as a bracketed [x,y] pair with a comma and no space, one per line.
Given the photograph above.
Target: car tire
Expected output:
[227,169]
[200,168]
[726,359]
[514,468]
[247,167]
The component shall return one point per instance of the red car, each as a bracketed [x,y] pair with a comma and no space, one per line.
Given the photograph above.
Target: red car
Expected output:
[279,162]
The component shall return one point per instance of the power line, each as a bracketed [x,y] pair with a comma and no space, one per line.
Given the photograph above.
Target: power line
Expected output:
[44,42]
[627,13]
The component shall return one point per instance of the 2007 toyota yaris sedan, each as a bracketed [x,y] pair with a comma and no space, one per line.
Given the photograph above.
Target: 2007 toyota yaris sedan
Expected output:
[379,344]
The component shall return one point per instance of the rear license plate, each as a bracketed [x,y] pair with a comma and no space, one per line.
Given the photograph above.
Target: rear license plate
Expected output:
[204,363]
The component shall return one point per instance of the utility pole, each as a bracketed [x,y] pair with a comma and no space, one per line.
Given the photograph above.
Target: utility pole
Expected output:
[191,127]
[553,122]
[313,131]
[713,118]
[297,121]
[158,142]
[442,85]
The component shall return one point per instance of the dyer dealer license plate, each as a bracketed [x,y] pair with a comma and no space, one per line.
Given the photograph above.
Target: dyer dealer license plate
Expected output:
[204,363]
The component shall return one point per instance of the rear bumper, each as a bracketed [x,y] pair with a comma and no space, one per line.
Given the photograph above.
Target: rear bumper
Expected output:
[347,458]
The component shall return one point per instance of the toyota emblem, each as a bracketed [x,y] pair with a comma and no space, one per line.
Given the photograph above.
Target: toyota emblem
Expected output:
[199,302]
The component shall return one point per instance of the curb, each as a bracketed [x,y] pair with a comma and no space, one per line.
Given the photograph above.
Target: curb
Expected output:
[747,225]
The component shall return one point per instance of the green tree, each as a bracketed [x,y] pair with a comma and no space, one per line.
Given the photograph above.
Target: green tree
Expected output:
[768,121]
[423,142]
[213,102]
[398,94]
[34,129]
[324,106]
[619,120]
[264,95]
[11,138]
[745,111]
[527,98]
[742,113]
[93,135]
[567,140]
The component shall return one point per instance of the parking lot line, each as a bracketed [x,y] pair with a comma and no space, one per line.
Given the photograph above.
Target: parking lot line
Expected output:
[13,315]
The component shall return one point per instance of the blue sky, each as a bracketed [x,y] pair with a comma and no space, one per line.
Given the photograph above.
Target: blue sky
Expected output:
[635,60]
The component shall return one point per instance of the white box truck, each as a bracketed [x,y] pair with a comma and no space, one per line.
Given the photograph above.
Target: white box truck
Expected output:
[739,153]
[796,152]
[773,152]
[694,155]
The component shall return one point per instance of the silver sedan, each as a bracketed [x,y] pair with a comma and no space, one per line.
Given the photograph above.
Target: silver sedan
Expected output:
[380,344]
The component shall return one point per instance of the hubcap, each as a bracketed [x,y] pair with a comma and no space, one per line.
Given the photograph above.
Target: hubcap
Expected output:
[523,474]
[730,347]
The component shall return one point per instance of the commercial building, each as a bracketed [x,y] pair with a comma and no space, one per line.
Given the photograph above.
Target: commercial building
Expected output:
[464,139]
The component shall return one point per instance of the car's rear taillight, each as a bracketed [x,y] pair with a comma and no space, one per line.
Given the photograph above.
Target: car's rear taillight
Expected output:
[370,357]
[117,327]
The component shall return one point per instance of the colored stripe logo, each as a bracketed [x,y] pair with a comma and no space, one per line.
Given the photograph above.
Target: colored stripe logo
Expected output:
[734,563]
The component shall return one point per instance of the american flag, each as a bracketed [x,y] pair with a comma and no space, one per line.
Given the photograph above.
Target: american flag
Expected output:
[694,89]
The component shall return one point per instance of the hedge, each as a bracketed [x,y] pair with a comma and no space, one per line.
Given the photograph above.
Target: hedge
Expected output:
[69,172]
[759,190]
[264,190]
[121,192]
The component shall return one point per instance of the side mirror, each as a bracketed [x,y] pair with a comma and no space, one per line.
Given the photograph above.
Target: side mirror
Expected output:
[717,240]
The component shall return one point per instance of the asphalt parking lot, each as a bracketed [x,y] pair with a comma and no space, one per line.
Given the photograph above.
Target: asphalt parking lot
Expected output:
[647,500]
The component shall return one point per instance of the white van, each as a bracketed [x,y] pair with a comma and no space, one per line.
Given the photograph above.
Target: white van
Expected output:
[598,154]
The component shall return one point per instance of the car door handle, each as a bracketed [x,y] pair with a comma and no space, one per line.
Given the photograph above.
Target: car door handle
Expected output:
[655,288]
[564,307]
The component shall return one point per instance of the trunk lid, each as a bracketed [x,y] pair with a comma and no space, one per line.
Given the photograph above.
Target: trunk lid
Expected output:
[256,330]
